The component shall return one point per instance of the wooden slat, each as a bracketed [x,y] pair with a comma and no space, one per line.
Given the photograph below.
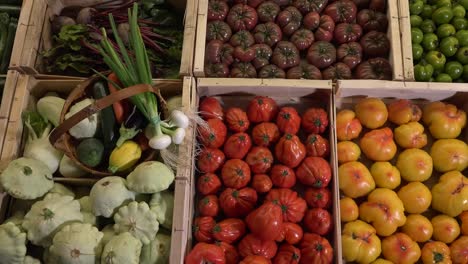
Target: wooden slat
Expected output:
[188,48]
[20,37]
[393,34]
[199,63]
[5,106]
[406,46]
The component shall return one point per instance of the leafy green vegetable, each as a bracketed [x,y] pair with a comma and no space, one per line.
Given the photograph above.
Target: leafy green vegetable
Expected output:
[35,120]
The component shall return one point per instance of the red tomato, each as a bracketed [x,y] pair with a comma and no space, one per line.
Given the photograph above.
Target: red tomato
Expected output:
[264,134]
[230,252]
[318,221]
[252,245]
[208,183]
[259,159]
[291,233]
[217,10]
[288,120]
[205,253]
[211,108]
[237,120]
[229,230]
[318,197]
[315,120]
[202,228]
[262,109]
[208,206]
[315,249]
[214,135]
[283,176]
[266,221]
[314,172]
[261,183]
[287,254]
[235,173]
[290,151]
[237,146]
[210,159]
[242,17]
[255,260]
[317,146]
[237,203]
[293,206]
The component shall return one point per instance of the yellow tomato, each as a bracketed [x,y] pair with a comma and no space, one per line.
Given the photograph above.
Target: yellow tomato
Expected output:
[418,227]
[450,194]
[416,197]
[400,249]
[435,252]
[385,175]
[348,151]
[359,242]
[446,228]
[410,135]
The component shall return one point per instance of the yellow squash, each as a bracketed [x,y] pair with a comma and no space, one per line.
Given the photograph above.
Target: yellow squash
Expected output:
[124,157]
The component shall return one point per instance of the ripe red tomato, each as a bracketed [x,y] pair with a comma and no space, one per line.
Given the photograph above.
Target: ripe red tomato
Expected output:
[210,160]
[259,159]
[314,172]
[210,108]
[283,176]
[202,228]
[229,230]
[317,146]
[264,134]
[252,245]
[318,221]
[230,252]
[214,135]
[315,120]
[288,120]
[205,253]
[262,109]
[292,233]
[209,206]
[315,249]
[318,197]
[208,183]
[290,151]
[242,17]
[237,203]
[261,183]
[217,10]
[342,11]
[237,146]
[287,254]
[237,120]
[266,221]
[292,206]
[235,173]
[255,260]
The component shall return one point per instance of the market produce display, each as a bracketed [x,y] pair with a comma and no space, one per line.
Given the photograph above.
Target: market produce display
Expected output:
[9,14]
[263,194]
[402,176]
[298,39]
[439,35]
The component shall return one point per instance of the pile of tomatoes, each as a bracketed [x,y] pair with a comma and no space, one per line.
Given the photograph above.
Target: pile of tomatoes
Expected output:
[263,191]
[297,39]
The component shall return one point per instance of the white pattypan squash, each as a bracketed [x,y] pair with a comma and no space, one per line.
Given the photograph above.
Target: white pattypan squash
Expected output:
[122,249]
[157,251]
[48,215]
[137,219]
[31,260]
[69,169]
[108,232]
[85,204]
[108,194]
[26,179]
[150,177]
[162,203]
[89,218]
[61,189]
[87,127]
[17,218]
[76,243]
[12,244]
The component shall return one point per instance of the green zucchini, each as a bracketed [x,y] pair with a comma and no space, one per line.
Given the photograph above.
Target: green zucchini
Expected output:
[107,117]
[90,152]
[5,62]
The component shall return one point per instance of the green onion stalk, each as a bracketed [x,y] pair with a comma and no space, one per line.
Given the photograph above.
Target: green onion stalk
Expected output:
[133,70]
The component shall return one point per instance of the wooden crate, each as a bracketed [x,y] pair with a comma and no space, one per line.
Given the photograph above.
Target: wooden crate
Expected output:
[37,35]
[350,92]
[238,91]
[6,102]
[393,35]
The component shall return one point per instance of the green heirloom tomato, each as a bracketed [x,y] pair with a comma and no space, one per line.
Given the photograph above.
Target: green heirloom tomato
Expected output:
[464,3]
[416,7]
[462,55]
[417,51]
[454,69]
[415,20]
[442,3]
[423,72]
[462,36]
[449,46]
[458,11]
[416,35]
[428,26]
[427,12]
[442,15]
[465,72]
[438,71]
[459,23]
[436,59]
[430,41]
[446,30]
[443,77]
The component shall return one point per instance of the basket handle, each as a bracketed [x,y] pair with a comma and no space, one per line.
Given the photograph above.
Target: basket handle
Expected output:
[97,106]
